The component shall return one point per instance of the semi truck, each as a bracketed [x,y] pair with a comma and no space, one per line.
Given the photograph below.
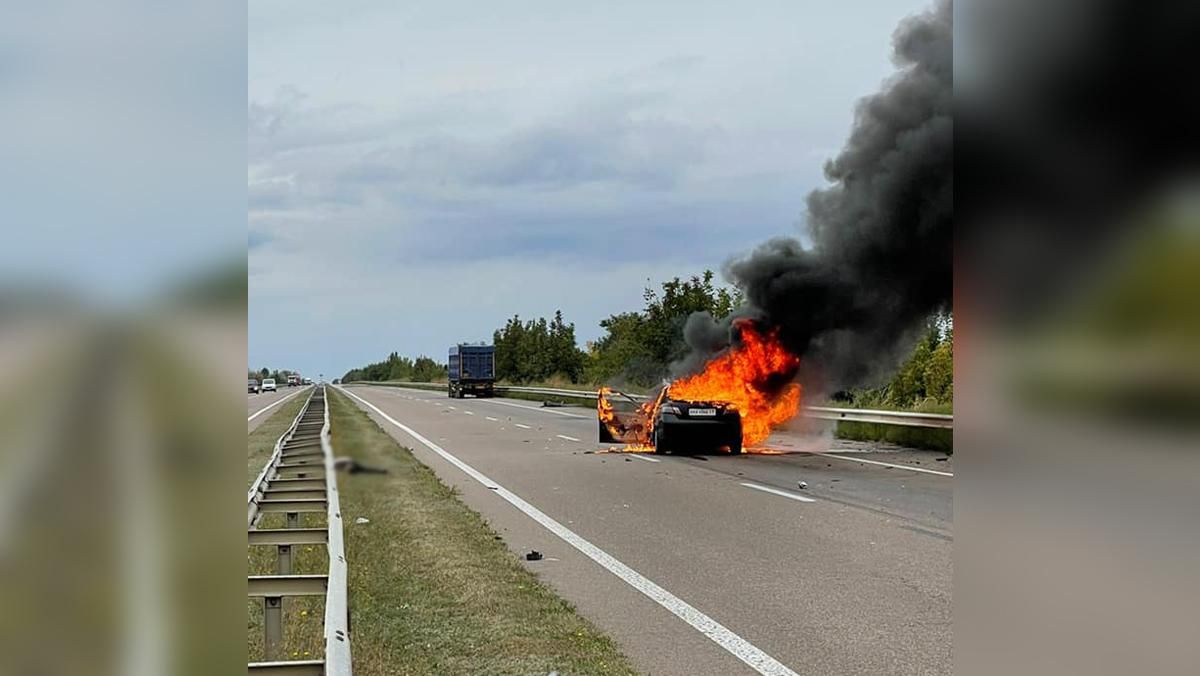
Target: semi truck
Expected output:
[472,370]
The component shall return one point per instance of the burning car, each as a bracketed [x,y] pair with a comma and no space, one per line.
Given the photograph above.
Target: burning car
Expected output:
[734,402]
[685,425]
[670,425]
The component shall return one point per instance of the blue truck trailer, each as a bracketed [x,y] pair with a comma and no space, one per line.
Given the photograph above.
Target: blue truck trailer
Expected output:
[473,370]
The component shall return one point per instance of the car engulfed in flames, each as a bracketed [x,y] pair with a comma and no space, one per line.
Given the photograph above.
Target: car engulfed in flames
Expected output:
[734,402]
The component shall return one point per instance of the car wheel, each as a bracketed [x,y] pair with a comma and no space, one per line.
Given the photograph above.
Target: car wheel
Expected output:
[735,447]
[660,441]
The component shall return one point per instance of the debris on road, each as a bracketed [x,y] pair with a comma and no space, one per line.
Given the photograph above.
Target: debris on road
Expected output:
[803,484]
[362,519]
[533,555]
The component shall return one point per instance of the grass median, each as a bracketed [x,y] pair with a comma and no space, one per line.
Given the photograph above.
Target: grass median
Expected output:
[261,442]
[433,589]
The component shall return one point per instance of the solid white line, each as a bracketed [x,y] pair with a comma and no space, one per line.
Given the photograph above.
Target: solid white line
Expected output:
[272,405]
[644,457]
[536,408]
[886,464]
[492,419]
[785,494]
[736,645]
[524,427]
[563,436]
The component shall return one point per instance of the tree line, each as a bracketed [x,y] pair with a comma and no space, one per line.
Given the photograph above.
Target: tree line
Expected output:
[639,346]
[925,380]
[279,375]
[420,370]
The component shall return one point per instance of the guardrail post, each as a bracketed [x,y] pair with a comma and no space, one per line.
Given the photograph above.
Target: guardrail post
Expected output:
[284,566]
[273,627]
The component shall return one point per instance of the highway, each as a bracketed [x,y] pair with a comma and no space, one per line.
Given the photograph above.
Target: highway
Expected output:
[260,406]
[710,564]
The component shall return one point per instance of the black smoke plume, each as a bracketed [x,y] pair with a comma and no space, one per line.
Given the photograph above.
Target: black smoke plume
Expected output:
[880,263]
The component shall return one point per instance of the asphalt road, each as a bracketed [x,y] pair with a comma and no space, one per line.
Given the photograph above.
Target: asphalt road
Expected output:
[850,575]
[260,406]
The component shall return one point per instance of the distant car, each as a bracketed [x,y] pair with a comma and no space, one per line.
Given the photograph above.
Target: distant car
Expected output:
[681,426]
[308,381]
[268,385]
[252,386]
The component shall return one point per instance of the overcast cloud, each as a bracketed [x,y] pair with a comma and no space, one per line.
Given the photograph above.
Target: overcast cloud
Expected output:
[417,173]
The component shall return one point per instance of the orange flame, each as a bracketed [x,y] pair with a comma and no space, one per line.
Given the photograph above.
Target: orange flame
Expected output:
[740,376]
[608,416]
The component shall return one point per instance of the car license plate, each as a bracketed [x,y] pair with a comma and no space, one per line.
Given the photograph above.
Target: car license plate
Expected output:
[702,412]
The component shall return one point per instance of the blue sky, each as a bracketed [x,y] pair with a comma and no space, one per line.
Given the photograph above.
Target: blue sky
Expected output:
[418,172]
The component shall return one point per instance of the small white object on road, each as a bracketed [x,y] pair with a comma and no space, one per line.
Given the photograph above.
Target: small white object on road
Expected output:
[803,484]
[776,491]
[362,519]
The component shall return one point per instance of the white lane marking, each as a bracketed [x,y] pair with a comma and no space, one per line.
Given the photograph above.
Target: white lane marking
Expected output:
[524,427]
[468,413]
[453,409]
[491,418]
[715,631]
[644,457]
[272,405]
[563,436]
[537,408]
[776,491]
[886,464]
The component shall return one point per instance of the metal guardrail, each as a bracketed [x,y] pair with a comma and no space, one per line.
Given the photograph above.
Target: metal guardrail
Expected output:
[300,477]
[906,418]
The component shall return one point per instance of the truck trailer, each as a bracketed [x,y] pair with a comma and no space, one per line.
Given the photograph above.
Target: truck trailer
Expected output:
[472,370]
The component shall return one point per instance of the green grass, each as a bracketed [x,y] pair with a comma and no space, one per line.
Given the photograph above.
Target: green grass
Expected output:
[261,442]
[934,439]
[433,589]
